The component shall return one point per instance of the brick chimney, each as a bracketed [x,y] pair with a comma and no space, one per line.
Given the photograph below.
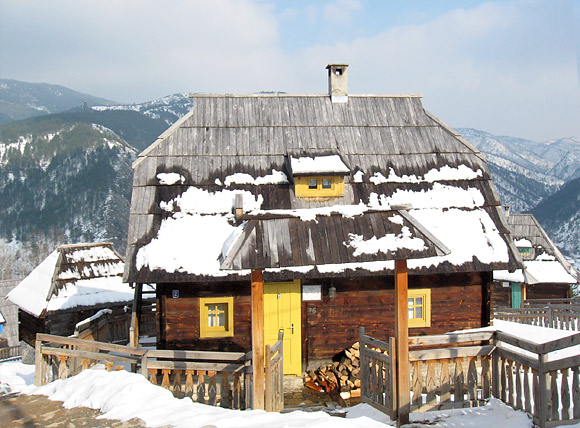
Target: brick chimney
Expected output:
[337,82]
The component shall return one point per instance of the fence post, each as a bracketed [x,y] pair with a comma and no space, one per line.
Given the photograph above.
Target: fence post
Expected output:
[364,368]
[495,368]
[544,399]
[38,364]
[550,317]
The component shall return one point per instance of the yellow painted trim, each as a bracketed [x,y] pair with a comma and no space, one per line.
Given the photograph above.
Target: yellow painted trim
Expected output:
[425,293]
[224,331]
[302,190]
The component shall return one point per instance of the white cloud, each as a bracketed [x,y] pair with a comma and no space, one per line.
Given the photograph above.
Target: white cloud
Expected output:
[339,11]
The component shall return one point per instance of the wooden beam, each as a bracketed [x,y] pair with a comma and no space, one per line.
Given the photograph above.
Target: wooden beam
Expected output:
[258,338]
[402,339]
[135,316]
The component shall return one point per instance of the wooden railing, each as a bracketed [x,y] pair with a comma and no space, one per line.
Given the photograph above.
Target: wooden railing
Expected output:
[67,356]
[466,369]
[560,316]
[377,362]
[450,370]
[274,376]
[214,378]
[536,382]
[9,352]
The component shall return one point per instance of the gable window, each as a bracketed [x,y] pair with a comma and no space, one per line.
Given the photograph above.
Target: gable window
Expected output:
[216,318]
[419,304]
[318,176]
[313,187]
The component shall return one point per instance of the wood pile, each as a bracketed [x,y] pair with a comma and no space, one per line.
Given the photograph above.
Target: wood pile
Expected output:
[342,375]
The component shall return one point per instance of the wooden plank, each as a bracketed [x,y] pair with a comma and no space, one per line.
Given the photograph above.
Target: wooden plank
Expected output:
[459,381]
[371,353]
[198,355]
[518,342]
[576,391]
[445,382]
[564,363]
[47,350]
[90,344]
[450,338]
[436,354]
[194,365]
[258,338]
[402,337]
[518,358]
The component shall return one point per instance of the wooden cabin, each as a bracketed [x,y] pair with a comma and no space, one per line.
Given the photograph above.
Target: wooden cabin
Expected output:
[546,274]
[73,283]
[317,195]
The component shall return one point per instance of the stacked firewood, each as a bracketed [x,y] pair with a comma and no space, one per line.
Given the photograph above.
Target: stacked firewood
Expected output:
[342,375]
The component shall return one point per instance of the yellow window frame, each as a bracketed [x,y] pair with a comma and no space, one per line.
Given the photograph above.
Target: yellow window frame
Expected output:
[419,298]
[227,330]
[302,188]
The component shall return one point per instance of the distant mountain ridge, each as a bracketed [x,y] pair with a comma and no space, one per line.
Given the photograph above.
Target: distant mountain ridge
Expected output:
[21,100]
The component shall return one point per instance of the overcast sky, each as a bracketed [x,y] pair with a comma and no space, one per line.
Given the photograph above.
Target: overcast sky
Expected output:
[506,67]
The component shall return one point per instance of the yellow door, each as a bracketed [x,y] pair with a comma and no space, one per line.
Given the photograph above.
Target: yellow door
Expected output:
[282,302]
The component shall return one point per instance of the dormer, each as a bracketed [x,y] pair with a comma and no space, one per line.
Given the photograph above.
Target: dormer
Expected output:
[525,249]
[319,176]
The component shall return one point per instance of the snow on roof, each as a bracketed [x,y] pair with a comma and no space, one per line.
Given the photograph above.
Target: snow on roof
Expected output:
[318,165]
[445,173]
[72,276]
[523,243]
[469,232]
[32,293]
[504,275]
[2,320]
[547,271]
[277,177]
[385,244]
[170,178]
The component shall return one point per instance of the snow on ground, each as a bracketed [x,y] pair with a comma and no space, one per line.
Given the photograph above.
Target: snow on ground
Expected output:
[122,395]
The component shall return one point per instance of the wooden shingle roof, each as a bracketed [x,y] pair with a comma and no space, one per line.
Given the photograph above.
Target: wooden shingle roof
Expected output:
[390,144]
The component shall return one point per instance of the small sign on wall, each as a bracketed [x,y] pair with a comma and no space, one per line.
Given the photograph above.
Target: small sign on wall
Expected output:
[175,294]
[311,292]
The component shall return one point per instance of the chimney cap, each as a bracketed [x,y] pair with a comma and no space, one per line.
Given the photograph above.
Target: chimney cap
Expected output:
[335,65]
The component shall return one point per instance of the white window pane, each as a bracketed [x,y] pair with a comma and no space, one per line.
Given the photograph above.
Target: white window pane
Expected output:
[312,183]
[212,320]
[411,313]
[410,301]
[419,312]
[419,301]
[326,183]
[221,319]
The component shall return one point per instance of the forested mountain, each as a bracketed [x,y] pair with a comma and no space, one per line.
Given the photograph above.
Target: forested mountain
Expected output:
[21,100]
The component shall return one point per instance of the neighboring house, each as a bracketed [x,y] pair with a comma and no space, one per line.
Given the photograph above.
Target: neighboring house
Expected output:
[9,313]
[546,274]
[319,193]
[71,284]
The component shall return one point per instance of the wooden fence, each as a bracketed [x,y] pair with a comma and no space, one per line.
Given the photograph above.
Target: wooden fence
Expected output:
[216,378]
[9,352]
[274,388]
[377,371]
[560,316]
[465,369]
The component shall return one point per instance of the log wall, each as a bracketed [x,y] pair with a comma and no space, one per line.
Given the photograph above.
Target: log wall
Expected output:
[502,296]
[178,318]
[458,301]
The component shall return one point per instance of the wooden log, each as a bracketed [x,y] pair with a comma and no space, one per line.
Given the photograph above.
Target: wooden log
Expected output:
[503,381]
[236,392]
[201,387]
[38,364]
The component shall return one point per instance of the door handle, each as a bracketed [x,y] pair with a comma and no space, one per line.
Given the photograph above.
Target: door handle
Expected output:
[292,328]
